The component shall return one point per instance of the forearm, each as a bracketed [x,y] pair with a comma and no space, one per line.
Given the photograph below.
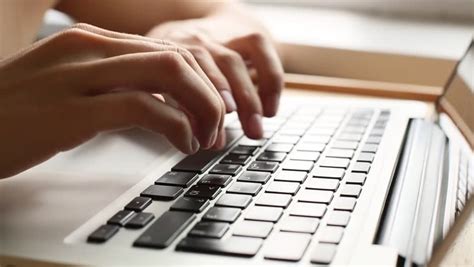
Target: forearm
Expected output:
[137,16]
[20,21]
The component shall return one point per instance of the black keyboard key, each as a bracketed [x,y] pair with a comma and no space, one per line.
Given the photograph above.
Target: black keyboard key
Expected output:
[298,165]
[323,253]
[305,155]
[235,245]
[199,162]
[344,203]
[263,166]
[356,178]
[253,229]
[183,179]
[315,196]
[165,229]
[335,162]
[209,229]
[162,192]
[272,156]
[361,167]
[308,210]
[122,217]
[299,224]
[283,188]
[138,204]
[366,157]
[340,153]
[140,220]
[236,159]
[338,218]
[190,204]
[220,214]
[245,188]
[351,190]
[103,233]
[203,191]
[324,172]
[291,176]
[220,180]
[254,177]
[266,214]
[230,169]
[244,150]
[274,200]
[322,183]
[331,234]
[234,201]
[286,246]
[286,148]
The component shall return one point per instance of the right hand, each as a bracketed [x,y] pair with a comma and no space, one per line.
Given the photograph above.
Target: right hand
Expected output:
[65,89]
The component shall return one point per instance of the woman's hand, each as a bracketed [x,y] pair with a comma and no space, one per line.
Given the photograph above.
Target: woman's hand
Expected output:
[65,89]
[230,47]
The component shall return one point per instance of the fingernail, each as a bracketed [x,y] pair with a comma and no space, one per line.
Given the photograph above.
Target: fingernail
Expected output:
[255,124]
[194,145]
[228,100]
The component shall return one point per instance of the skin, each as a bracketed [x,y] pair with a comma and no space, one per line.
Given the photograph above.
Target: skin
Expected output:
[179,81]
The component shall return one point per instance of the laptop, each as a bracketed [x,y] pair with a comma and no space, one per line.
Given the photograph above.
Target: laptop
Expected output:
[335,181]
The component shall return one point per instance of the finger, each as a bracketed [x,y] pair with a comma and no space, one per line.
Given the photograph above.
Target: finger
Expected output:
[205,60]
[156,72]
[140,109]
[269,69]
[201,62]
[248,104]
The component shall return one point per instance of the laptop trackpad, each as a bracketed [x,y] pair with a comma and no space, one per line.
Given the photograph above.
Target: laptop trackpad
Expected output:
[123,153]
[79,183]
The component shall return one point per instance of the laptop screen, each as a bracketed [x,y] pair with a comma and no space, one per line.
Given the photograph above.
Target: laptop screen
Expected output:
[458,99]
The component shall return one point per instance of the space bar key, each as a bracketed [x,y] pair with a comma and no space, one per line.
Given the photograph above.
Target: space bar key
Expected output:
[235,245]
[165,229]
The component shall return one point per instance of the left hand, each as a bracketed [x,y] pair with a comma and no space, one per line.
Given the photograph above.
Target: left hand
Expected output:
[229,50]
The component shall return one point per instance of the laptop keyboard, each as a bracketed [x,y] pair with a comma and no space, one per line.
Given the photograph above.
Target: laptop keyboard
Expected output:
[298,185]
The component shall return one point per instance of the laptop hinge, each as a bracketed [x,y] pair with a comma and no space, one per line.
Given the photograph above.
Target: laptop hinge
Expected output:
[411,219]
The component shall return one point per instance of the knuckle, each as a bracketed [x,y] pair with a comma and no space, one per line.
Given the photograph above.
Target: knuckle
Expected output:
[173,61]
[82,26]
[229,58]
[75,37]
[256,38]
[277,78]
[185,53]
[197,51]
[139,102]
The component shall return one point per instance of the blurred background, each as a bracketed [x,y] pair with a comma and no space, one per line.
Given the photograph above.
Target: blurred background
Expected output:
[401,41]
